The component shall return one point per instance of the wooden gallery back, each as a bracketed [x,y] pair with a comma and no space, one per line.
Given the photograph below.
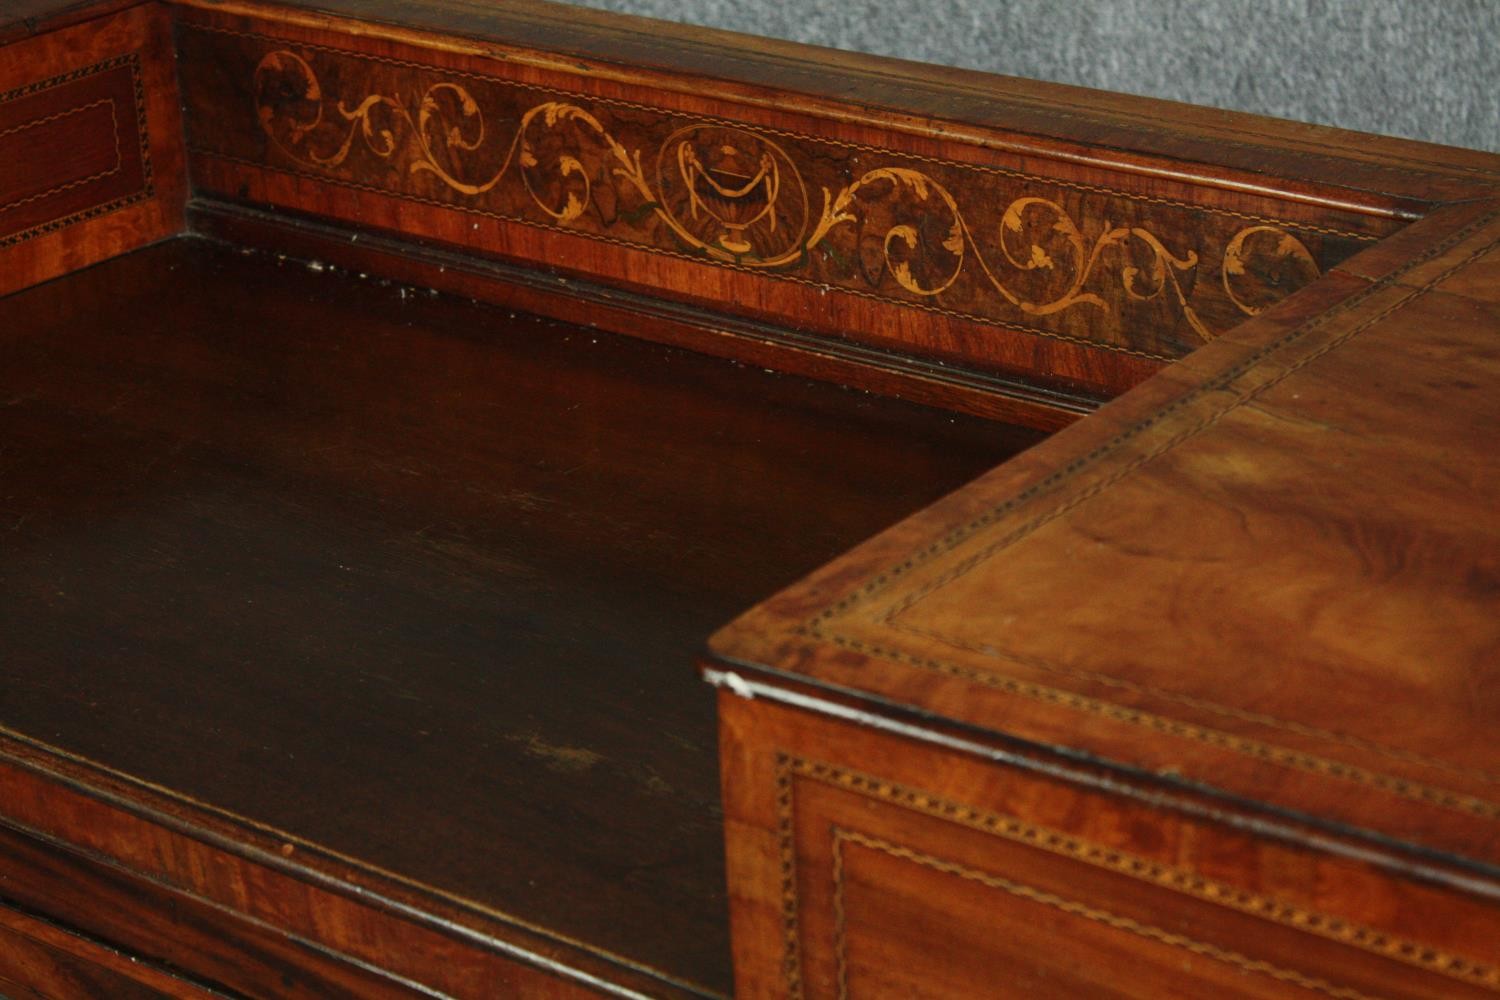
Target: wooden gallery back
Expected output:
[398,398]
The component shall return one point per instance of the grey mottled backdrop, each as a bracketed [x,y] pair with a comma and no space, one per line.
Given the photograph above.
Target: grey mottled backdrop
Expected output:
[1425,69]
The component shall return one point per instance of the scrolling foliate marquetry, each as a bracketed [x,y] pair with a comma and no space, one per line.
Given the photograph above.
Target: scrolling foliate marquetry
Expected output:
[1147,276]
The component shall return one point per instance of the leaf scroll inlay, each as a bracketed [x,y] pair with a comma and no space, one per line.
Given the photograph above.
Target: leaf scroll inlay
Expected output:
[734,195]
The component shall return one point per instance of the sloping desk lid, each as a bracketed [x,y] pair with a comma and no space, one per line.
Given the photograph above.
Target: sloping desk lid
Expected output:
[1273,570]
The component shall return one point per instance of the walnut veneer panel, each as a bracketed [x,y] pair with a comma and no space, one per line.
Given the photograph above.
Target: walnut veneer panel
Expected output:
[90,145]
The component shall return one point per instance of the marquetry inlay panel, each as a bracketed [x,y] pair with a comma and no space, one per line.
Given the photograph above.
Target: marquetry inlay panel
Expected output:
[72,147]
[890,888]
[1137,276]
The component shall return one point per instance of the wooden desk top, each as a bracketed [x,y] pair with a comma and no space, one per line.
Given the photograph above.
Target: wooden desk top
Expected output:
[1273,571]
[1264,582]
[414,582]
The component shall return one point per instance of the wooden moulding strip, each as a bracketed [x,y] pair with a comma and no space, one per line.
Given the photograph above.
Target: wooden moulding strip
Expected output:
[662,320]
[376,922]
[61,960]
[1413,809]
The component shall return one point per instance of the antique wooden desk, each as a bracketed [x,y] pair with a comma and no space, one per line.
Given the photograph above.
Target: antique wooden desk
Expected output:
[395,395]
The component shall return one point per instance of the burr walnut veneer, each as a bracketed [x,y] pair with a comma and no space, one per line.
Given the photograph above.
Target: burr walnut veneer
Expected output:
[397,395]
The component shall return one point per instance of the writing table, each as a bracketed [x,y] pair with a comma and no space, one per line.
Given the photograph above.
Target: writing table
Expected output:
[398,398]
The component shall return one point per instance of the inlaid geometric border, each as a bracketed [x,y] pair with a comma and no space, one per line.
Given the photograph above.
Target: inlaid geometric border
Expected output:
[1185,417]
[1103,268]
[790,767]
[146,191]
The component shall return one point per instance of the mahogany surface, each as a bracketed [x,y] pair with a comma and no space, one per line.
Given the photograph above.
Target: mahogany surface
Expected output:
[46,961]
[943,108]
[952,254]
[415,580]
[1329,474]
[342,623]
[1261,592]
[91,156]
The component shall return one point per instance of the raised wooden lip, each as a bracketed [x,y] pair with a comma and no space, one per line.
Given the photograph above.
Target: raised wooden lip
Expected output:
[982,323]
[1419,182]
[389,894]
[594,43]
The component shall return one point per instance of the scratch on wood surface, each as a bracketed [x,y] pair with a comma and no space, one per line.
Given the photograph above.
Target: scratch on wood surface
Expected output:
[556,756]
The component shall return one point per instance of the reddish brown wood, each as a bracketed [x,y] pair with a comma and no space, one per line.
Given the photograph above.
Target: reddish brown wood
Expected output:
[91,159]
[940,109]
[1269,572]
[77,148]
[39,960]
[867,864]
[345,622]
[1087,281]
[366,251]
[311,574]
[263,919]
[171,918]
[20,18]
[1370,717]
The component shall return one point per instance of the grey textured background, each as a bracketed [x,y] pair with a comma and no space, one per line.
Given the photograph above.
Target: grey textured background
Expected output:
[1425,69]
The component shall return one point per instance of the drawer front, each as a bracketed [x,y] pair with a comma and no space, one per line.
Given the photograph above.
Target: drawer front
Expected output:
[42,961]
[75,856]
[866,865]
